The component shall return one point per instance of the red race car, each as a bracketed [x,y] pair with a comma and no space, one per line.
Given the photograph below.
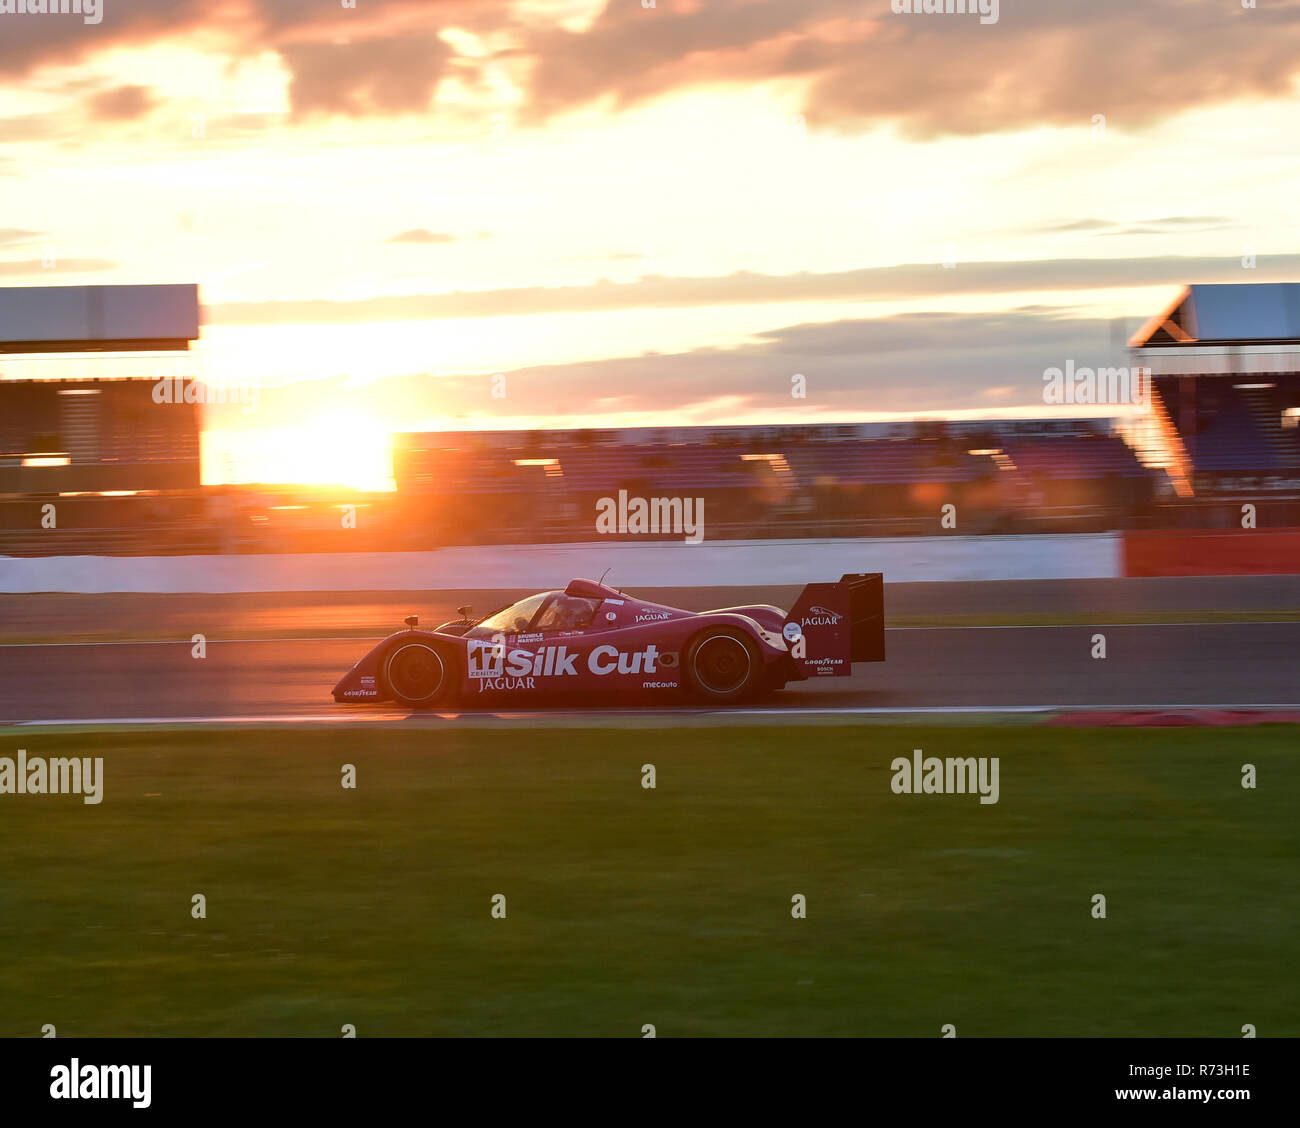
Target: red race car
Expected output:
[590,639]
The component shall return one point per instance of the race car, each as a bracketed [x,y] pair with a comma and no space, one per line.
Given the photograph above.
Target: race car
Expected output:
[594,639]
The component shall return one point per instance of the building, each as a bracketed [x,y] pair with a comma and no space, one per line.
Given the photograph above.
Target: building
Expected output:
[1225,375]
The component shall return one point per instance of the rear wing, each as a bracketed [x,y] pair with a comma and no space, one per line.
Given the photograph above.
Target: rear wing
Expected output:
[831,626]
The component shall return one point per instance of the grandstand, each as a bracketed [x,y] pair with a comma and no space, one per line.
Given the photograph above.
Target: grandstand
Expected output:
[120,469]
[777,481]
[94,436]
[1225,375]
[124,469]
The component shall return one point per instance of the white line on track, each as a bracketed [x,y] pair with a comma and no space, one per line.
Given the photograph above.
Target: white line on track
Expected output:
[888,630]
[190,642]
[357,717]
[1109,626]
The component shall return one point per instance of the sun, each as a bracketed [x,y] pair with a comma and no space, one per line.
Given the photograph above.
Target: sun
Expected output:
[333,449]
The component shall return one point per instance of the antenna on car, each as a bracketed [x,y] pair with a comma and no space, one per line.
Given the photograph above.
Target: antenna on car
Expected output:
[603,575]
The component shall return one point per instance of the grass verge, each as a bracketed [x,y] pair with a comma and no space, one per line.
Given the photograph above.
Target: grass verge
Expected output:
[669,906]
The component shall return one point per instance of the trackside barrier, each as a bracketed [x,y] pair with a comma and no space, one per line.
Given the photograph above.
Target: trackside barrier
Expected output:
[660,564]
[1245,552]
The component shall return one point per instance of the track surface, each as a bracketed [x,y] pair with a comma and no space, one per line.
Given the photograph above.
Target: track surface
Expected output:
[53,617]
[1194,664]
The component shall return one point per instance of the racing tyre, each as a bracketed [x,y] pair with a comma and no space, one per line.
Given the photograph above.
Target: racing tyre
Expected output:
[418,673]
[722,665]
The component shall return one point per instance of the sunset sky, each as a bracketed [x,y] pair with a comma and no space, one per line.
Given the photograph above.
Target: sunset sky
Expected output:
[640,215]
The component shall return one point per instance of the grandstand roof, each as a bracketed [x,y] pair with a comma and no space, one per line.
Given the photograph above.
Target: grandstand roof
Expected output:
[1254,313]
[67,319]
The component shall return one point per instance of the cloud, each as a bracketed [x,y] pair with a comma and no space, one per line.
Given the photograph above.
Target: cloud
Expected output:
[1075,226]
[1052,62]
[31,127]
[420,235]
[123,103]
[886,283]
[10,235]
[380,75]
[31,41]
[61,266]
[1191,221]
[385,58]
[1173,224]
[909,364]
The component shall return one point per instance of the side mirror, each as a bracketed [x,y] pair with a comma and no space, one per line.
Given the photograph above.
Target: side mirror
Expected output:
[463,612]
[412,621]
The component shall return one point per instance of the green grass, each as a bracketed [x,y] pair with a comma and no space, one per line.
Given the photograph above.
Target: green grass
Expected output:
[1094,618]
[670,906]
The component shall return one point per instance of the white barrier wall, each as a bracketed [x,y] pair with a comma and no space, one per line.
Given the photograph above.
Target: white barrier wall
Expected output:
[661,564]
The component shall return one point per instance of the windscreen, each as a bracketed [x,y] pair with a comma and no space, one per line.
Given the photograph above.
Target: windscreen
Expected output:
[516,617]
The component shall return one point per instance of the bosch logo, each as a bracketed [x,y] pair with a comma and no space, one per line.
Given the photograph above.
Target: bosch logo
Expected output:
[668,660]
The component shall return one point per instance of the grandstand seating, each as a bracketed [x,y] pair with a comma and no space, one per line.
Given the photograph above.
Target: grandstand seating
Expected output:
[111,433]
[773,480]
[521,487]
[1234,426]
[684,467]
[1073,457]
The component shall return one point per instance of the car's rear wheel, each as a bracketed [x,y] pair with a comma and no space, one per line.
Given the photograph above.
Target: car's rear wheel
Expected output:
[722,665]
[418,673]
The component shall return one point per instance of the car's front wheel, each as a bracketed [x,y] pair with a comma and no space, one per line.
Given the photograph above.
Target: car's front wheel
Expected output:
[418,673]
[722,665]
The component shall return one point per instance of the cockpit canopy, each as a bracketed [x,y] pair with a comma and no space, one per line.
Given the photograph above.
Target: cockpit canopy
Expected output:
[547,611]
